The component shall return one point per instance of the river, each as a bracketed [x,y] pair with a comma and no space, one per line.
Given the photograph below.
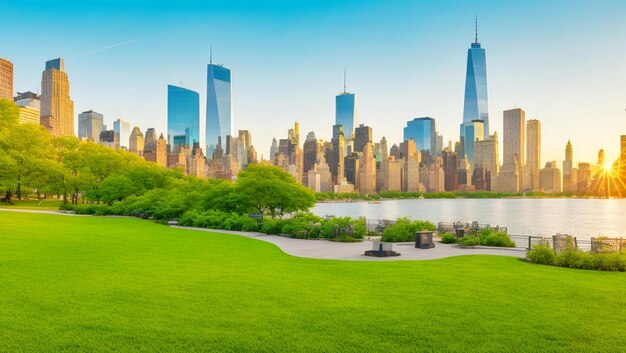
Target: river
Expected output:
[583,218]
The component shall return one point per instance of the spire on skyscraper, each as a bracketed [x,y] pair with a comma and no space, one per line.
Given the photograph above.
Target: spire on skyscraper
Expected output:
[476,29]
[210,53]
[344,79]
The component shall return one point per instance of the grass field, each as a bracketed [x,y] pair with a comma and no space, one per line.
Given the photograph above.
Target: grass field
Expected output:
[33,204]
[117,284]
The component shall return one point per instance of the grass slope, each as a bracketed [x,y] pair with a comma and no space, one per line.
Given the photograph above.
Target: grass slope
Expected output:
[117,284]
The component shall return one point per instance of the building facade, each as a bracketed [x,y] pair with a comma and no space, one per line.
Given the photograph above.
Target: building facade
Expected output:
[422,131]
[90,125]
[183,116]
[6,79]
[475,106]
[219,107]
[57,109]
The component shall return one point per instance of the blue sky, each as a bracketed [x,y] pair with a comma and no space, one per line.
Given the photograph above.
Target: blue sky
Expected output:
[563,62]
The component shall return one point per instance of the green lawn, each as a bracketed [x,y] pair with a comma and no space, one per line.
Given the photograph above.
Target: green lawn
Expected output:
[33,204]
[115,284]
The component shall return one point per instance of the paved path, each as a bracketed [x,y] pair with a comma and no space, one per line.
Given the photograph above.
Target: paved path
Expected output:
[324,249]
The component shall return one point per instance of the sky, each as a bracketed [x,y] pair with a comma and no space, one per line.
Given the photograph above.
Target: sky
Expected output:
[563,62]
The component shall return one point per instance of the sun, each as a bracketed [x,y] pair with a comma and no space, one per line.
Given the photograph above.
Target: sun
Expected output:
[607,167]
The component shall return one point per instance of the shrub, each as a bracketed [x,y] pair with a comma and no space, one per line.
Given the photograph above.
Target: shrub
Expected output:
[469,240]
[404,230]
[272,226]
[188,218]
[569,258]
[489,237]
[448,238]
[542,253]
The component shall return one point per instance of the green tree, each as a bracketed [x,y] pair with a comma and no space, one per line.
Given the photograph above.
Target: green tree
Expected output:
[272,191]
[115,188]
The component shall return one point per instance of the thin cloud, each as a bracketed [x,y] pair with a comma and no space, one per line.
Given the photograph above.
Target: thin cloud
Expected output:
[105,48]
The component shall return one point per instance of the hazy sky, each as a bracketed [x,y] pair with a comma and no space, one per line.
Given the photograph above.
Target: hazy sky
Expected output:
[563,62]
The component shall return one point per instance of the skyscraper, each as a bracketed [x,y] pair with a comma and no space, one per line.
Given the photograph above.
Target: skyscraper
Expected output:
[362,135]
[6,79]
[345,111]
[122,130]
[90,125]
[183,116]
[470,133]
[422,131]
[219,108]
[533,156]
[57,109]
[136,142]
[511,178]
[569,173]
[475,106]
[30,107]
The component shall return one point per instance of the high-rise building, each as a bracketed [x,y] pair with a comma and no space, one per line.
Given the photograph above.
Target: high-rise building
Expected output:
[551,178]
[319,177]
[155,150]
[311,152]
[476,106]
[109,138]
[486,156]
[30,107]
[183,116]
[422,131]
[511,178]
[533,156]
[6,79]
[584,178]
[438,144]
[366,182]
[219,107]
[336,162]
[391,174]
[57,109]
[362,135]
[568,165]
[346,113]
[470,133]
[90,125]
[136,142]
[122,129]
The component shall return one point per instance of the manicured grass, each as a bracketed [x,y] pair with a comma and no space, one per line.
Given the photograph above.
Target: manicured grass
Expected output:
[33,204]
[116,284]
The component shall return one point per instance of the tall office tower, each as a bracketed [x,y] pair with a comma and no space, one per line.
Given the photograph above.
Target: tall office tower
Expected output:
[183,116]
[6,79]
[601,158]
[391,174]
[551,178]
[438,144]
[568,165]
[486,156]
[470,133]
[30,106]
[408,150]
[345,111]
[197,162]
[136,142]
[450,164]
[273,150]
[366,182]
[219,106]
[155,150]
[533,156]
[351,166]
[57,109]
[319,178]
[422,131]
[311,152]
[338,145]
[90,125]
[122,129]
[475,106]
[511,178]
[394,151]
[384,150]
[584,178]
[362,135]
[296,133]
[244,143]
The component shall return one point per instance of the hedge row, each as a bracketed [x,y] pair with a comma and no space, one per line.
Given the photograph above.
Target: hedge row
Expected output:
[543,254]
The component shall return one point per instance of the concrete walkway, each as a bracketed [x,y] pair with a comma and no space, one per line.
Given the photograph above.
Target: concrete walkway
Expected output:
[324,249]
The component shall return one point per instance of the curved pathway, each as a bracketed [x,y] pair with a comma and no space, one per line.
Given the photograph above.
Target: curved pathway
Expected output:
[324,249]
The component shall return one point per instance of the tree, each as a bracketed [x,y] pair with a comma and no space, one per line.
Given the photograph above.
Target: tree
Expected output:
[115,188]
[270,190]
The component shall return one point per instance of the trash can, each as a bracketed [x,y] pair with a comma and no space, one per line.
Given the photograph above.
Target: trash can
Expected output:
[424,240]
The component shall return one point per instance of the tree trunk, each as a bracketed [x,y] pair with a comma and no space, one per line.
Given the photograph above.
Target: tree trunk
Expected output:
[8,197]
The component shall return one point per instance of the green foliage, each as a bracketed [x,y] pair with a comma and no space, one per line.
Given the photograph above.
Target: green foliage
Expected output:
[404,230]
[448,238]
[542,253]
[490,237]
[469,240]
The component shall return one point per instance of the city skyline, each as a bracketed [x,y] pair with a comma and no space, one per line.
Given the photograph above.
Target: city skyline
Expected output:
[308,96]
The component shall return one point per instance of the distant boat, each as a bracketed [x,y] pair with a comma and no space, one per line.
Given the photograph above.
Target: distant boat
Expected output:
[374,202]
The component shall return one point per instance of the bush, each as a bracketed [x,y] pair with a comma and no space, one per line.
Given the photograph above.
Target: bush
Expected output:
[404,230]
[448,238]
[490,237]
[469,240]
[542,254]
[272,226]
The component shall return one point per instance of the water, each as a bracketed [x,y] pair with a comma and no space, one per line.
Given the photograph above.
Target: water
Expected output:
[583,218]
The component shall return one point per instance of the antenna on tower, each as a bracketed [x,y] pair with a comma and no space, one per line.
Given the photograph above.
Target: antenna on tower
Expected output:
[344,79]
[476,28]
[210,53]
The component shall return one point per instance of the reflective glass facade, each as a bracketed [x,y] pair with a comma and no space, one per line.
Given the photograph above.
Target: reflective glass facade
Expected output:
[183,116]
[475,107]
[422,131]
[345,113]
[470,132]
[219,112]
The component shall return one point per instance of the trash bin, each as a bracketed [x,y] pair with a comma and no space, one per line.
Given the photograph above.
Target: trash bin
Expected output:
[424,240]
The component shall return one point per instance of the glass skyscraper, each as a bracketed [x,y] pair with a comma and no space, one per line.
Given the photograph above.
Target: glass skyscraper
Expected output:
[219,110]
[422,131]
[345,113]
[183,116]
[470,133]
[475,107]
